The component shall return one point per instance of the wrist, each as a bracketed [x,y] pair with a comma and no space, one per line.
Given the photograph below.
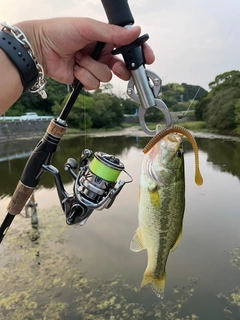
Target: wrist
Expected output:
[10,83]
[20,58]
[32,31]
[15,44]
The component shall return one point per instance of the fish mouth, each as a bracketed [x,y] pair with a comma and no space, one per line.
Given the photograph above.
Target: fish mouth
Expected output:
[173,141]
[162,157]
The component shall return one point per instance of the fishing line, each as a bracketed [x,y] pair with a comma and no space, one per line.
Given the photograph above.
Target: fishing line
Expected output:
[134,4]
[104,172]
[84,119]
[213,63]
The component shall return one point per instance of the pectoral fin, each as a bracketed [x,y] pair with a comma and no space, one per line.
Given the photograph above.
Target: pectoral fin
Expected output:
[177,242]
[137,242]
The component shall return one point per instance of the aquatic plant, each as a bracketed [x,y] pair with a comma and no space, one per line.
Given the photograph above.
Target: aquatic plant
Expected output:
[233,296]
[38,281]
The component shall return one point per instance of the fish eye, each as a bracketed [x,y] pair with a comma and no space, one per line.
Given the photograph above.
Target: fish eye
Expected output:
[180,153]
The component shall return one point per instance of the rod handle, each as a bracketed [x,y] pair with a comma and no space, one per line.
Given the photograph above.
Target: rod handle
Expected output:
[21,195]
[34,167]
[118,12]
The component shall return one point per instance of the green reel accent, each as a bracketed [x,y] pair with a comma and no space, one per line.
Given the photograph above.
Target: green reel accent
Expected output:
[103,171]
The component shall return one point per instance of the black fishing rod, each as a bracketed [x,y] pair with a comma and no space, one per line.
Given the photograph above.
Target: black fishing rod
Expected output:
[95,183]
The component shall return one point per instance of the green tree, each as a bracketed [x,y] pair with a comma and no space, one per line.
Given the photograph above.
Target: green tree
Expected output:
[169,100]
[118,111]
[220,106]
[172,94]
[153,115]
[129,106]
[201,108]
[223,79]
[103,113]
[193,92]
[79,116]
[237,116]
[220,112]
[28,102]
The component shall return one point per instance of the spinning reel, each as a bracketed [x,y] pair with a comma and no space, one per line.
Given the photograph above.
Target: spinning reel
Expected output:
[95,185]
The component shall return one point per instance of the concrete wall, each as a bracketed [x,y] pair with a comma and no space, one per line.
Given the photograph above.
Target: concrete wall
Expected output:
[11,130]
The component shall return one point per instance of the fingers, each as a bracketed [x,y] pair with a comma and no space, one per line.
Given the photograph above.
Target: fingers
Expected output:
[115,35]
[148,53]
[60,41]
[93,30]
[90,72]
[118,67]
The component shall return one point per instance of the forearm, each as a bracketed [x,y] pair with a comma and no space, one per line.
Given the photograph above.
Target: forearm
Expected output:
[10,84]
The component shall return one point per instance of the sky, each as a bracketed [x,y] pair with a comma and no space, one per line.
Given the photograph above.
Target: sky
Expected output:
[193,40]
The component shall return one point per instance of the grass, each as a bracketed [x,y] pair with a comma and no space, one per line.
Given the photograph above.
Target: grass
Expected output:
[194,125]
[78,131]
[199,126]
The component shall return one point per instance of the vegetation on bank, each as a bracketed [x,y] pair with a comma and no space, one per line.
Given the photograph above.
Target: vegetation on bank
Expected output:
[216,111]
[220,108]
[196,126]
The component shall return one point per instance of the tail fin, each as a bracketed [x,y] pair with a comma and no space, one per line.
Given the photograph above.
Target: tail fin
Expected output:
[158,284]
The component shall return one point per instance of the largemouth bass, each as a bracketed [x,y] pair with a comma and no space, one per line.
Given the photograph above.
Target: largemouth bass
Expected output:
[161,206]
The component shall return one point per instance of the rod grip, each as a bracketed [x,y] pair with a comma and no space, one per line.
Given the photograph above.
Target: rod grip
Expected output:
[21,195]
[33,169]
[118,12]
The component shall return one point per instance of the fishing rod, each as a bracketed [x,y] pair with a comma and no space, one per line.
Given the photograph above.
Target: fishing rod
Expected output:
[95,183]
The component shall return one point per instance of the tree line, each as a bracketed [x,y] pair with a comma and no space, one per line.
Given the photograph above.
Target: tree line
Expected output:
[101,108]
[219,108]
[98,109]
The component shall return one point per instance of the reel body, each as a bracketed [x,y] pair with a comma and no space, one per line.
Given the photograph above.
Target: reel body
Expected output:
[95,185]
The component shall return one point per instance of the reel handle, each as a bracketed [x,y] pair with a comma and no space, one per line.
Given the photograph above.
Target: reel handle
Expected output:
[118,12]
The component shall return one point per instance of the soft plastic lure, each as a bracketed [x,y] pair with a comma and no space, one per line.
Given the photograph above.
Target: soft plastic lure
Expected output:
[161,134]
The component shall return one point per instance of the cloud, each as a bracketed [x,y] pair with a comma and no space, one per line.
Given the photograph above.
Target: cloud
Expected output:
[193,41]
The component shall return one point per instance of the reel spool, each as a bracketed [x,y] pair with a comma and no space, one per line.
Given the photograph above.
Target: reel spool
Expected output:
[99,179]
[106,166]
[95,183]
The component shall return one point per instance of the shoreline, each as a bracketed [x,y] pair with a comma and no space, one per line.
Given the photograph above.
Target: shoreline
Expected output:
[137,131]
[131,131]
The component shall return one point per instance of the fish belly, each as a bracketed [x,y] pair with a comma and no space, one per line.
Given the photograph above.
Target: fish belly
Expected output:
[161,211]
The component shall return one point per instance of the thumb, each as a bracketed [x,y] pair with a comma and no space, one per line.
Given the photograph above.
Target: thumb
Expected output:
[93,30]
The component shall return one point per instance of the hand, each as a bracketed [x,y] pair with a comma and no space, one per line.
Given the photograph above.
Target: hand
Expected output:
[63,46]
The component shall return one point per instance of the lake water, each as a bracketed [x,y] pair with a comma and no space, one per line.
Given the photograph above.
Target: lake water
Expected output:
[89,272]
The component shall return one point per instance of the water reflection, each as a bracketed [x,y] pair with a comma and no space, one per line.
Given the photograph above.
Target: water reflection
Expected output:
[222,153]
[13,156]
[12,164]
